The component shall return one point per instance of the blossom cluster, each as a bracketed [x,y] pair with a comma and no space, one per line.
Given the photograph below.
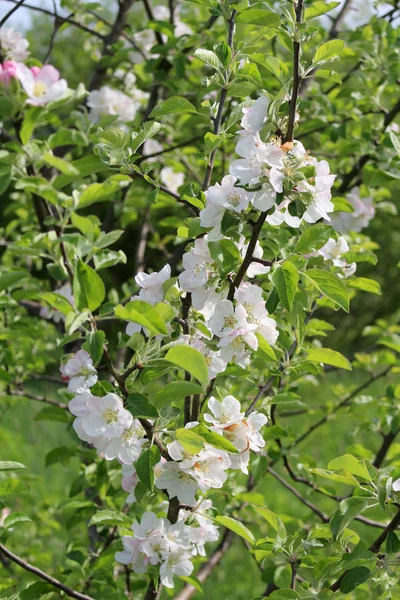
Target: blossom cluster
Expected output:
[281,178]
[155,541]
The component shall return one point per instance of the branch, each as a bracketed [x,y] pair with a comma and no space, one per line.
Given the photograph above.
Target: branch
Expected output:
[51,580]
[222,99]
[110,39]
[64,19]
[388,439]
[248,259]
[296,72]
[164,189]
[338,20]
[375,547]
[11,12]
[38,398]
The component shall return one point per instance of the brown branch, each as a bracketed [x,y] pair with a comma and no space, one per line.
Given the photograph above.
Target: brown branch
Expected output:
[222,99]
[164,189]
[388,440]
[11,12]
[296,72]
[111,38]
[341,404]
[51,580]
[38,398]
[64,19]
[374,547]
[338,20]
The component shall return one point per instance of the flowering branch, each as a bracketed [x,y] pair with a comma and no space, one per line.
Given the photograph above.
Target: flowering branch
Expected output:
[51,580]
[298,4]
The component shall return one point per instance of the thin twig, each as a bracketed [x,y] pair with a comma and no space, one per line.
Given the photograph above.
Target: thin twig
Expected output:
[296,72]
[51,580]
[11,12]
[43,399]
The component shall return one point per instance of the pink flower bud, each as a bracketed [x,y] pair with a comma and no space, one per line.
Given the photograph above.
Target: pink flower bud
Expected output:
[8,71]
[35,70]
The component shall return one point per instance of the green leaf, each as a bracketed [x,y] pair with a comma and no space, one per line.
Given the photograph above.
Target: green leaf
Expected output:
[5,175]
[258,14]
[139,406]
[237,527]
[340,476]
[328,51]
[15,518]
[313,238]
[352,464]
[190,440]
[95,345]
[35,591]
[11,487]
[348,509]
[67,137]
[342,205]
[149,130]
[173,105]
[189,359]
[284,594]
[88,287]
[330,285]
[9,465]
[225,254]
[286,398]
[28,124]
[62,165]
[327,356]
[99,192]
[265,347]
[176,390]
[392,543]
[366,285]
[209,57]
[285,279]
[273,519]
[8,279]
[53,413]
[213,438]
[86,166]
[143,313]
[328,74]
[110,517]
[318,8]
[61,454]
[354,578]
[85,225]
[57,302]
[193,581]
[145,466]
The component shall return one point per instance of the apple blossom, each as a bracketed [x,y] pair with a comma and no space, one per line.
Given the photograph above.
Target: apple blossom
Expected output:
[106,417]
[171,179]
[41,85]
[13,46]
[128,446]
[363,213]
[333,251]
[80,372]
[178,483]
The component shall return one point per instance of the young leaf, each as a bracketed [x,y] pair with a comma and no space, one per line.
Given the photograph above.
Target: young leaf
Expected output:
[139,406]
[313,238]
[285,279]
[216,440]
[354,578]
[57,302]
[329,357]
[143,313]
[366,285]
[88,287]
[330,285]
[259,14]
[174,104]
[95,344]
[145,466]
[9,465]
[191,441]
[328,51]
[15,518]
[110,517]
[176,390]
[237,527]
[209,57]
[352,464]
[191,360]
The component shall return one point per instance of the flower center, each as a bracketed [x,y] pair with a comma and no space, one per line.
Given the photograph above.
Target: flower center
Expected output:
[110,415]
[233,198]
[229,321]
[39,89]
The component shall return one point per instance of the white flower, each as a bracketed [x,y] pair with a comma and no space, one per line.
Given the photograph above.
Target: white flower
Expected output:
[178,483]
[175,562]
[364,212]
[57,316]
[225,413]
[255,115]
[132,555]
[333,251]
[109,101]
[106,417]
[229,323]
[129,482]
[396,485]
[250,297]
[151,147]
[209,468]
[171,179]
[265,198]
[255,268]
[151,291]
[41,85]
[79,372]
[128,447]
[228,196]
[13,45]
[195,272]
